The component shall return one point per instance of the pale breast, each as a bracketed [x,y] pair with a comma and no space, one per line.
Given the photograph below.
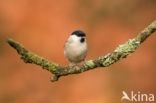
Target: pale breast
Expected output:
[75,51]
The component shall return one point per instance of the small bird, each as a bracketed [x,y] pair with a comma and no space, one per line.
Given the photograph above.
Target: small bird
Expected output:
[75,48]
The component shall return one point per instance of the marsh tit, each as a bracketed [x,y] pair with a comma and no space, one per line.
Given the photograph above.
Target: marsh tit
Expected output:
[75,48]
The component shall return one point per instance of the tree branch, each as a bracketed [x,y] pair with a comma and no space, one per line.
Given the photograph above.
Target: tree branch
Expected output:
[122,51]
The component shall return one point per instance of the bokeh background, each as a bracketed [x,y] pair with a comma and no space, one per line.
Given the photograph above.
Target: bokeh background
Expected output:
[43,26]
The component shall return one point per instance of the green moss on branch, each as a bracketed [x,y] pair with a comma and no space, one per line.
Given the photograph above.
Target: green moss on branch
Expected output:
[122,51]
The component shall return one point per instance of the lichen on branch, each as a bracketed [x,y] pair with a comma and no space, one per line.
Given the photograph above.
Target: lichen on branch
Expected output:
[122,51]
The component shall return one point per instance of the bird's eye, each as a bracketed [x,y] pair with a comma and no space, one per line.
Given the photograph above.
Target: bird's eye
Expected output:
[82,40]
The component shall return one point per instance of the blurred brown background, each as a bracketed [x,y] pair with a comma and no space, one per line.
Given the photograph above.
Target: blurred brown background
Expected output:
[43,26]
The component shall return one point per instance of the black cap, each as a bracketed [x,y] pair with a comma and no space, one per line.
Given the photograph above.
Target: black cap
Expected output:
[79,33]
